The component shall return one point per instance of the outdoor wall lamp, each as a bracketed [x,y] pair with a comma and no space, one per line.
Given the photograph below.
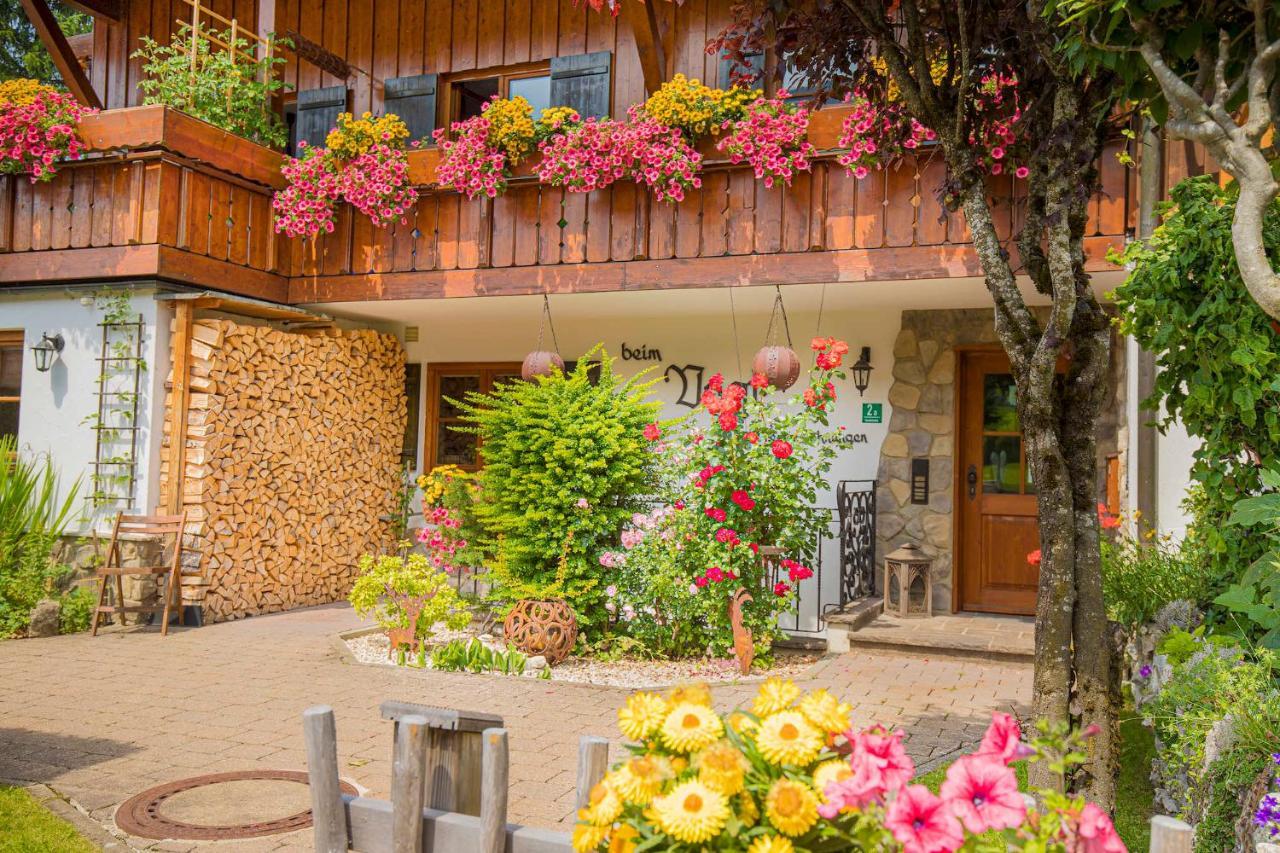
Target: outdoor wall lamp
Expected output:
[862,371]
[45,350]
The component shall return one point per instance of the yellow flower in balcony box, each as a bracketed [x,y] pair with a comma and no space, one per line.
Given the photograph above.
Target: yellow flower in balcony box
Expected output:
[642,715]
[640,779]
[788,738]
[775,695]
[624,839]
[747,810]
[603,806]
[587,838]
[692,812]
[689,727]
[722,766]
[696,694]
[791,807]
[835,770]
[826,711]
[771,844]
[21,91]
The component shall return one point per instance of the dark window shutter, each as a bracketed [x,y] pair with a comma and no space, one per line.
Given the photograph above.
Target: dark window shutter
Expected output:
[414,100]
[318,113]
[754,60]
[583,82]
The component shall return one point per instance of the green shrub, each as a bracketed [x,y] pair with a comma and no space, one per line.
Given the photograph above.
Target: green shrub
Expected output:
[1217,357]
[231,93]
[565,464]
[475,656]
[77,610]
[382,578]
[1141,575]
[1221,799]
[32,518]
[1254,600]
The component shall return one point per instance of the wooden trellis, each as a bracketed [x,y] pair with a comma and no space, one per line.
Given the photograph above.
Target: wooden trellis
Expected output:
[200,14]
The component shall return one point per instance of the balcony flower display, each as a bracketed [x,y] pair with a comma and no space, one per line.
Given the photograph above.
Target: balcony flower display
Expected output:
[363,163]
[37,129]
[772,137]
[793,772]
[741,476]
[477,154]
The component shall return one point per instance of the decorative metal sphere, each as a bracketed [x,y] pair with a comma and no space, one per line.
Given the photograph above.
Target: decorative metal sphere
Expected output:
[546,628]
[780,365]
[541,363]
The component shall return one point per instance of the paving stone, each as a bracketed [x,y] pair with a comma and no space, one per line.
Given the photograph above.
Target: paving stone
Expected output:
[122,712]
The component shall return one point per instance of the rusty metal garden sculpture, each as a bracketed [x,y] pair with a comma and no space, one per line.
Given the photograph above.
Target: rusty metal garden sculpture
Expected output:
[412,607]
[744,647]
[542,627]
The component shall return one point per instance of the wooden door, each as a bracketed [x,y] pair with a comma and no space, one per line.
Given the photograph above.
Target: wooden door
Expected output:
[997,525]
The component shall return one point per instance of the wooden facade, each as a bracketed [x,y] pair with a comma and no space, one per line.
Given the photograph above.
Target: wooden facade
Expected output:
[164,196]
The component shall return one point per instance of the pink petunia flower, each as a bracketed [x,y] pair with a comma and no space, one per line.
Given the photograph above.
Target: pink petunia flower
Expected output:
[1003,739]
[922,823]
[983,793]
[1096,833]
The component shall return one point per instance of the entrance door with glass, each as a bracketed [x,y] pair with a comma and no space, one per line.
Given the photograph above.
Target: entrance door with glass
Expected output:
[997,526]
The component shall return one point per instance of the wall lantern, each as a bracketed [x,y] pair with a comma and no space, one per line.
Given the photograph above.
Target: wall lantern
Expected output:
[45,350]
[542,362]
[862,371]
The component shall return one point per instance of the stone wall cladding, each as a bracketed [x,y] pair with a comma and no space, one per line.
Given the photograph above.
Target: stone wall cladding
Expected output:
[86,553]
[923,425]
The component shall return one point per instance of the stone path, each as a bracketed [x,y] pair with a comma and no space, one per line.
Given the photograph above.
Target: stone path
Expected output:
[100,719]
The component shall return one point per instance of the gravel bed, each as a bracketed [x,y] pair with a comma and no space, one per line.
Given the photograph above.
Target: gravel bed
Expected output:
[628,673]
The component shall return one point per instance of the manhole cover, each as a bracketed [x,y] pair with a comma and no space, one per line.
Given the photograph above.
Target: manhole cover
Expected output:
[220,806]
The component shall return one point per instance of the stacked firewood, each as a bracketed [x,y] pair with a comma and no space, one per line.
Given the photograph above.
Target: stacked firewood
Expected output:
[293,443]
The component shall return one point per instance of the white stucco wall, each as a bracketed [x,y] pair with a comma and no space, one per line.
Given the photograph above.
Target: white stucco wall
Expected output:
[55,404]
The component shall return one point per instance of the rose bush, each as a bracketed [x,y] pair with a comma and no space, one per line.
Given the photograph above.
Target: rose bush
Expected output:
[745,476]
[37,129]
[363,163]
[793,773]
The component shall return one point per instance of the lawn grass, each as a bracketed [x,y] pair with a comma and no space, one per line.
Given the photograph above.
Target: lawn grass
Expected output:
[29,826]
[1134,795]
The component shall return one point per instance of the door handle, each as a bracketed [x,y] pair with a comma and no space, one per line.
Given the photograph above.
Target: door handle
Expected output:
[972,479]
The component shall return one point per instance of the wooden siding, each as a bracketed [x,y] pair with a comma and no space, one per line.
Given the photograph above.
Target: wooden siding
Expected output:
[391,38]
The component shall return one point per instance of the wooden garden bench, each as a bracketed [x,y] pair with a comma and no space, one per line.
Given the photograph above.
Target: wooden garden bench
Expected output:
[160,525]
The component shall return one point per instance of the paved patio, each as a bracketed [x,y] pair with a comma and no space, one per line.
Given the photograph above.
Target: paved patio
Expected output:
[100,719]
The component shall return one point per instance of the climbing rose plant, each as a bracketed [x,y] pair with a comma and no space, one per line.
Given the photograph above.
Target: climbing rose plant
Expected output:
[792,772]
[363,163]
[37,129]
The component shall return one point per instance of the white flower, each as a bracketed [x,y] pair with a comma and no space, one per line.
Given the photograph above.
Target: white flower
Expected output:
[583,503]
[693,589]
[610,606]
[611,590]
[628,612]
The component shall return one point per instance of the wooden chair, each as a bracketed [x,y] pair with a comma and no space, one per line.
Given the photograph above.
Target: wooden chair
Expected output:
[112,568]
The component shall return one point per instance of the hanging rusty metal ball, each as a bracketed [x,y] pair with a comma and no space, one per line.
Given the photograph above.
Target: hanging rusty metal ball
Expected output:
[541,363]
[780,365]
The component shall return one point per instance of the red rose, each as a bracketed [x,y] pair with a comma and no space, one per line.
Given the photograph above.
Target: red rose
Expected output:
[744,501]
[702,581]
[752,437]
[755,549]
[782,449]
[781,588]
[810,399]
[1033,559]
[651,431]
[679,504]
[818,344]
[716,514]
[798,572]
[759,381]
[716,383]
[728,422]
[715,574]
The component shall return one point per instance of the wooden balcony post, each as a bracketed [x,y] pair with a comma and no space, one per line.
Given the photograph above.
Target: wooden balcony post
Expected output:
[64,58]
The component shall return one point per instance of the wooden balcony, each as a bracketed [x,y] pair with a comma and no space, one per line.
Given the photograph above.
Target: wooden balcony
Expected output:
[166,196]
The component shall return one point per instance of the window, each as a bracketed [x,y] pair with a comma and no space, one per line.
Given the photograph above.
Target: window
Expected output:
[443,445]
[10,381]
[469,95]
[413,402]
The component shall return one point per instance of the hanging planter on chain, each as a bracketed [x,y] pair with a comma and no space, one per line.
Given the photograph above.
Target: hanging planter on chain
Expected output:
[542,362]
[779,364]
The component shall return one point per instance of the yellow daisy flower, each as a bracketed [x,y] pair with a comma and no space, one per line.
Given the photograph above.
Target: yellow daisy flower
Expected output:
[640,779]
[690,727]
[748,811]
[775,695]
[826,711]
[722,766]
[642,715]
[835,770]
[603,806]
[788,738]
[771,844]
[791,806]
[695,694]
[741,723]
[587,838]
[692,812]
[624,839]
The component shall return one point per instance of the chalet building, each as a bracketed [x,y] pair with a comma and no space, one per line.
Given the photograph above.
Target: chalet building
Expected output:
[273,385]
